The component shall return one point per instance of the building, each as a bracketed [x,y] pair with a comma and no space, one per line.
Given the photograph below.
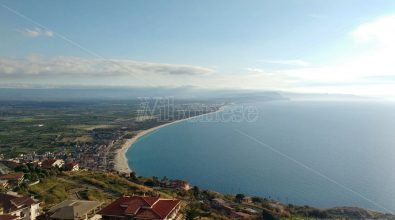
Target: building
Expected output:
[247,199]
[9,217]
[24,207]
[49,163]
[72,166]
[137,207]
[76,210]
[13,179]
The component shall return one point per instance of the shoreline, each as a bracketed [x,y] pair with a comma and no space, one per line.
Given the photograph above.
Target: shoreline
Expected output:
[121,164]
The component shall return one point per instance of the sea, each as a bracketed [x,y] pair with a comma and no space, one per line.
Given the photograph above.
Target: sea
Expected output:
[317,153]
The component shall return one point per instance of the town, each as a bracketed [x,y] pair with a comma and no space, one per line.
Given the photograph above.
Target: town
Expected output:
[60,165]
[46,186]
[89,150]
[20,176]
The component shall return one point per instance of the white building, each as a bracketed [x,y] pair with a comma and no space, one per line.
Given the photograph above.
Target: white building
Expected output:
[52,163]
[24,207]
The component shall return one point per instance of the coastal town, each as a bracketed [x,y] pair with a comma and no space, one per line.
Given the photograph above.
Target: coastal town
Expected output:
[50,188]
[17,176]
[197,110]
[103,153]
[75,168]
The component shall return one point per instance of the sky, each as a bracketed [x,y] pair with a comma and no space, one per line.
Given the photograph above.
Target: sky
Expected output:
[314,46]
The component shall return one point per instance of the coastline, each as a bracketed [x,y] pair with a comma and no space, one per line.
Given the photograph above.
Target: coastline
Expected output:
[121,164]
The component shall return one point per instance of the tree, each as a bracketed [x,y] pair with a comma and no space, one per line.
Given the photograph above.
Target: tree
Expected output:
[257,199]
[133,176]
[196,192]
[239,197]
[191,214]
[164,179]
[267,215]
[149,183]
[155,180]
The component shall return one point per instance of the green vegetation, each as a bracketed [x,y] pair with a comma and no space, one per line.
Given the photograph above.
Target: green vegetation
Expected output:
[58,126]
[108,182]
[27,126]
[56,185]
[55,126]
[52,190]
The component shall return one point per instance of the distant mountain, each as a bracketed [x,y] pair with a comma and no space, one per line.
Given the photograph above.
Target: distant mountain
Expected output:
[108,93]
[67,94]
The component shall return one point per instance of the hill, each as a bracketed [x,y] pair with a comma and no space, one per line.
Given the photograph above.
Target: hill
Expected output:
[197,204]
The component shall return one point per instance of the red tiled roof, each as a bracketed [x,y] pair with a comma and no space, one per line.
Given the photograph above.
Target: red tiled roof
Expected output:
[115,209]
[21,201]
[12,176]
[134,205]
[71,164]
[164,207]
[148,214]
[141,207]
[150,200]
[48,163]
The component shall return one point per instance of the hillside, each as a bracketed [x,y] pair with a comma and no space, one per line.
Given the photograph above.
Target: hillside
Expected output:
[198,204]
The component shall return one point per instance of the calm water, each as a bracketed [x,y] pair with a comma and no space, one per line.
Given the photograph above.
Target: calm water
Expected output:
[316,153]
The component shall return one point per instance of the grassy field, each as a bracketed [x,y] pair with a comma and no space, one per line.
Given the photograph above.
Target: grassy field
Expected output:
[85,185]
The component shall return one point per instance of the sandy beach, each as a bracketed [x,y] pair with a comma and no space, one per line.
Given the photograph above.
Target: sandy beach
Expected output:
[121,161]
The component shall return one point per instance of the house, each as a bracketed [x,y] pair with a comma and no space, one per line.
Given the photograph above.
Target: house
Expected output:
[72,166]
[247,199]
[138,207]
[13,179]
[180,184]
[24,207]
[49,163]
[75,209]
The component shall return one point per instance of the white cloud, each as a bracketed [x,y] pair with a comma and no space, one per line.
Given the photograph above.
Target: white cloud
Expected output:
[380,31]
[296,62]
[37,32]
[76,66]
[68,71]
[356,73]
[255,70]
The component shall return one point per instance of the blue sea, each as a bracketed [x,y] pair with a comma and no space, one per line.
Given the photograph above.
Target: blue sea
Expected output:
[318,153]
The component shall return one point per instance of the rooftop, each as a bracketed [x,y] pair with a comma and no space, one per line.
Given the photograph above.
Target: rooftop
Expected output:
[11,203]
[141,207]
[12,176]
[73,209]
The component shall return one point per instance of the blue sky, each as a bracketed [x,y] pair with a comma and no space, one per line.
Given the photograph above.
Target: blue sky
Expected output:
[293,45]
